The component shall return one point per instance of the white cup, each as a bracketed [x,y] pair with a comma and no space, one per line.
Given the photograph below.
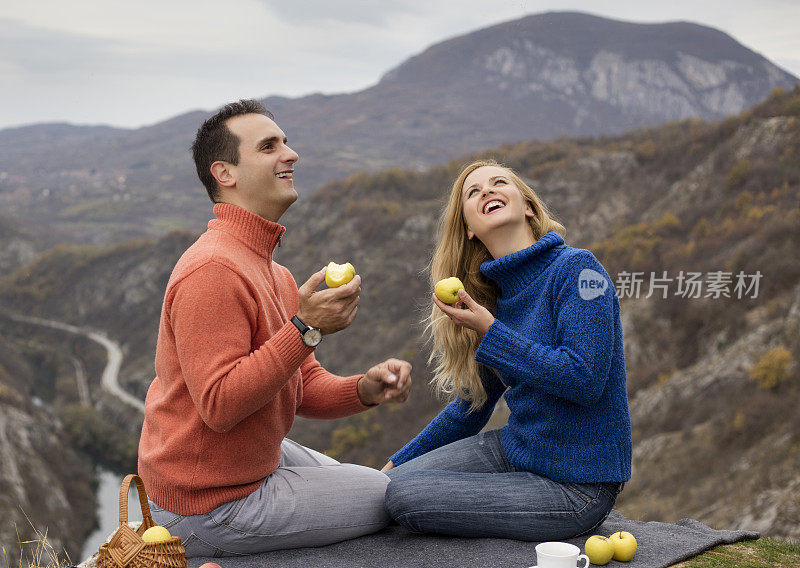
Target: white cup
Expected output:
[559,555]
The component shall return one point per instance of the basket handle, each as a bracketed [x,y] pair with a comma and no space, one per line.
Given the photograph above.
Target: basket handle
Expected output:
[147,520]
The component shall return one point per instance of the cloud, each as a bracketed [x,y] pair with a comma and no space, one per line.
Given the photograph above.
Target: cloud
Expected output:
[86,63]
[34,51]
[126,79]
[320,11]
[128,63]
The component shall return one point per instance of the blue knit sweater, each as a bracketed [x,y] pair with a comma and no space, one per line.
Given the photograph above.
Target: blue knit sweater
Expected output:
[556,345]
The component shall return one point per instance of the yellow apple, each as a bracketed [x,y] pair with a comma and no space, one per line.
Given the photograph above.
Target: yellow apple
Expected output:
[447,290]
[624,545]
[156,534]
[599,549]
[339,274]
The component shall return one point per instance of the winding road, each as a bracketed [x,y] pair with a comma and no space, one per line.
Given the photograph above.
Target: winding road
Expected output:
[82,382]
[110,380]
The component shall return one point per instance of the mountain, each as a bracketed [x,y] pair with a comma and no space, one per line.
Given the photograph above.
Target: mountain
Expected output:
[17,246]
[543,76]
[37,491]
[713,381]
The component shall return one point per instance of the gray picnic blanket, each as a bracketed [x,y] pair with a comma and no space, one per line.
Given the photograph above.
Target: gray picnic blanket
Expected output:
[659,545]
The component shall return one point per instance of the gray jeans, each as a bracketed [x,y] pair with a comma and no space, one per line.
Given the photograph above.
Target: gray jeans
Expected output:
[310,500]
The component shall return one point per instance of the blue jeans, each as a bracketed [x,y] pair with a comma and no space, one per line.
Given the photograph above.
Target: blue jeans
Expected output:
[310,500]
[469,488]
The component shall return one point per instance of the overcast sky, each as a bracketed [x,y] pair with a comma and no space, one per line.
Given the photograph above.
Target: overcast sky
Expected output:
[135,63]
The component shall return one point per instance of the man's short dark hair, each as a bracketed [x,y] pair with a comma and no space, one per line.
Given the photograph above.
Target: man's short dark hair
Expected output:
[215,142]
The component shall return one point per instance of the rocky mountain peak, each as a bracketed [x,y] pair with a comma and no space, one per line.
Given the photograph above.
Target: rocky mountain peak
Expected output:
[670,70]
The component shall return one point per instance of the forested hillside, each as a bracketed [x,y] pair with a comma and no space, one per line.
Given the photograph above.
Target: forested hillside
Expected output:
[707,214]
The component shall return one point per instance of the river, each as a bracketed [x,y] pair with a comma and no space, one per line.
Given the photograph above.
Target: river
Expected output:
[108,510]
[109,482]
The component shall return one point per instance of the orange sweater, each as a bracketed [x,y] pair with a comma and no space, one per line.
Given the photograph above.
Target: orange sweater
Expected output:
[231,370]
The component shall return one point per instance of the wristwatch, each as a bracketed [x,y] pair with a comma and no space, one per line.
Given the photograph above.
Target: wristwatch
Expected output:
[311,336]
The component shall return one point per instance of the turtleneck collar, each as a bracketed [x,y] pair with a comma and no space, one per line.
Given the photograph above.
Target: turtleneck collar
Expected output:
[259,234]
[514,272]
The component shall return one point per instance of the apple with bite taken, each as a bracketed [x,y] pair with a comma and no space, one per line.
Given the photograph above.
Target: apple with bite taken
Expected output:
[339,274]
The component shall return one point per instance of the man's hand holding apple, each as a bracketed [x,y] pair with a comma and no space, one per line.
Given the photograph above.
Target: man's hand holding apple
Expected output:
[329,310]
[389,381]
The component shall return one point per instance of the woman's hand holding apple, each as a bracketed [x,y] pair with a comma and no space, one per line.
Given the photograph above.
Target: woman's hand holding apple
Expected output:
[467,313]
[328,310]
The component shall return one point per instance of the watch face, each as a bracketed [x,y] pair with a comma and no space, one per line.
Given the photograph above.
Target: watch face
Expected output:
[312,337]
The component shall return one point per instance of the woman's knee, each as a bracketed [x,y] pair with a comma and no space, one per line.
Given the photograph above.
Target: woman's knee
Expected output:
[421,490]
[404,493]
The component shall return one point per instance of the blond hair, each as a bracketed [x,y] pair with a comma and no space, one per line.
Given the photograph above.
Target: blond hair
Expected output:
[453,347]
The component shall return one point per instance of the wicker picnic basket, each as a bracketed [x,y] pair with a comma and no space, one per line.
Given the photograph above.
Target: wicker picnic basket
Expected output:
[126,549]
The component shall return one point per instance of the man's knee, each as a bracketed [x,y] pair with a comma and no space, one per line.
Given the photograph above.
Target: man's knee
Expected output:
[350,508]
[372,483]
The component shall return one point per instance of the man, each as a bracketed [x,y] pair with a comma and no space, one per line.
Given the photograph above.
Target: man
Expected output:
[235,363]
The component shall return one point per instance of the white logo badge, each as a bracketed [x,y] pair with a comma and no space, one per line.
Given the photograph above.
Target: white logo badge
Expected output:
[591,284]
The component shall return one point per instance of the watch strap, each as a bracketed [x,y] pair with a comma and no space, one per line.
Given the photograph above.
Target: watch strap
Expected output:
[300,325]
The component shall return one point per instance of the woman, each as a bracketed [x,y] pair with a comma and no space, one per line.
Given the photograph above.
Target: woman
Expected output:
[539,321]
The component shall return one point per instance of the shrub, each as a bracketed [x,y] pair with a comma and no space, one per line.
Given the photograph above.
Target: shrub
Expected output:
[744,200]
[793,107]
[776,93]
[632,247]
[347,438]
[772,369]
[646,151]
[668,221]
[702,228]
[755,214]
[664,377]
[688,249]
[105,442]
[739,173]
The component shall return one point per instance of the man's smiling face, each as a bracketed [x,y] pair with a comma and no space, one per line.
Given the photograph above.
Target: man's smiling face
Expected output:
[263,179]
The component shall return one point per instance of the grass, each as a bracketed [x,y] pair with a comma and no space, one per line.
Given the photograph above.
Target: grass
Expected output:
[761,553]
[40,553]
